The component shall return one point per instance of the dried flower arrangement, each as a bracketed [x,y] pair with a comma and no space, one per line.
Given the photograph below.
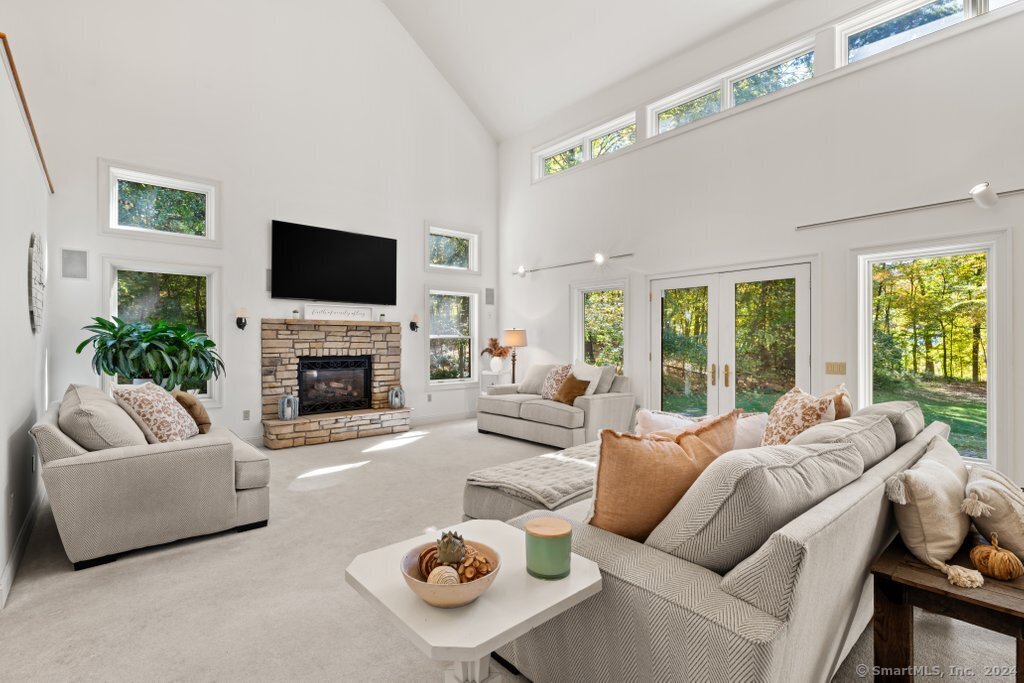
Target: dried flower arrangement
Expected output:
[496,350]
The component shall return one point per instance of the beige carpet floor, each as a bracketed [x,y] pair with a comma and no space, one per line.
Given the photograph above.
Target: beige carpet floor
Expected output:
[272,604]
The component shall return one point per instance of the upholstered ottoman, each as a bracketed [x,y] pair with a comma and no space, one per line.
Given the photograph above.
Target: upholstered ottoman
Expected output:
[545,482]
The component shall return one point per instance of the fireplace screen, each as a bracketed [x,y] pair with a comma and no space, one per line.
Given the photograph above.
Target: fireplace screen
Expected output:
[334,383]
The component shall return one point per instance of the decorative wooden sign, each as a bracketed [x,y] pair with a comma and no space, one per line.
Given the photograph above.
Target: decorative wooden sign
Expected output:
[337,312]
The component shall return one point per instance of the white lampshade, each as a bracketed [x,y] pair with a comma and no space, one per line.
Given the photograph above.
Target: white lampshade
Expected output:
[513,337]
[984,196]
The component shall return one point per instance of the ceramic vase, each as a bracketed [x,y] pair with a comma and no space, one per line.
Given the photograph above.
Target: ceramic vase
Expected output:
[497,364]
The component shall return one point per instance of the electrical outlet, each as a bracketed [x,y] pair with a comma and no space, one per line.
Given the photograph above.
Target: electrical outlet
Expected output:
[835,367]
[430,397]
[245,415]
[10,504]
[33,456]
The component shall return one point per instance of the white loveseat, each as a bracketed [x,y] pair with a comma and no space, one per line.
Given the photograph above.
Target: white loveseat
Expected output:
[519,411]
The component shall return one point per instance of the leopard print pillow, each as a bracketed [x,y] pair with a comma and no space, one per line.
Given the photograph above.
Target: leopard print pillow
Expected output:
[554,380]
[158,414]
[793,413]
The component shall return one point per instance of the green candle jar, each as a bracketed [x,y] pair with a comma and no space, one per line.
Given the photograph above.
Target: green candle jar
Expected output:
[548,547]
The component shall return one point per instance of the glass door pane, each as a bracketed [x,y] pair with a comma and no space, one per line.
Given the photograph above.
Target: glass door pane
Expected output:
[685,320]
[930,341]
[765,324]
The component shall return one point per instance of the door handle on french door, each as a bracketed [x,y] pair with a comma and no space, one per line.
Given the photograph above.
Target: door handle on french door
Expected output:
[727,375]
[714,374]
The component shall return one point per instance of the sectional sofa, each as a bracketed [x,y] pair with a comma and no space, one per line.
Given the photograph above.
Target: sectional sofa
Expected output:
[738,596]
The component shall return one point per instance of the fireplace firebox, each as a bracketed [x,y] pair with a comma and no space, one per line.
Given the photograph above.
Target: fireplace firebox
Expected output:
[330,384]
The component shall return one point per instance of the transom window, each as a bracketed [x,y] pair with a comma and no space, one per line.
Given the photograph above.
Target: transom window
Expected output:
[774,78]
[452,326]
[145,204]
[879,32]
[605,139]
[452,250]
[689,111]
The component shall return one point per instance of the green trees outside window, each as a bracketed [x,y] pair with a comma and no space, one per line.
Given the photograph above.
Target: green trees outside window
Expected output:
[603,327]
[563,160]
[449,251]
[930,341]
[690,111]
[451,336]
[164,209]
[781,76]
[904,28]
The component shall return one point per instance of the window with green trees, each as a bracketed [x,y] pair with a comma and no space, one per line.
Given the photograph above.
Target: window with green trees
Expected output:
[613,141]
[451,249]
[563,160]
[904,28]
[144,296]
[778,77]
[163,209]
[930,341]
[689,111]
[604,313]
[452,320]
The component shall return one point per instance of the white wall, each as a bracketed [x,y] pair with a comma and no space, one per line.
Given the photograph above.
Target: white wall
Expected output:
[921,127]
[313,112]
[23,205]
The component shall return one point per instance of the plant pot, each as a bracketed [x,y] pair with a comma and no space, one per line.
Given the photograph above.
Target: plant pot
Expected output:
[497,364]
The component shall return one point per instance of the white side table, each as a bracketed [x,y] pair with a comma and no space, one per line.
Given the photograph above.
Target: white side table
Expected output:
[466,636]
[489,378]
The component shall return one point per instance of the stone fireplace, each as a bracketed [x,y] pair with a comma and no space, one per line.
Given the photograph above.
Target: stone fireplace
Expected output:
[341,372]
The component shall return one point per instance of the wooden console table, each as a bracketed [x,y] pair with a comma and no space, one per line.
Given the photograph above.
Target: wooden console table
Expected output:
[902,583]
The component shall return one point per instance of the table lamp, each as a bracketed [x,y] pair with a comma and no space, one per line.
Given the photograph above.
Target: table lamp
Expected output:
[514,339]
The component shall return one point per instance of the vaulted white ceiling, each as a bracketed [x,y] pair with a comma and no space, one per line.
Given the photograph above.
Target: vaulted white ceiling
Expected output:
[517,61]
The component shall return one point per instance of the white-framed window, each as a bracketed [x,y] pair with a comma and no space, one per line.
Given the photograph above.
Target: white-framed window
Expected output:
[146,291]
[933,327]
[599,323]
[607,138]
[452,250]
[150,205]
[895,23]
[452,334]
[771,74]
[686,107]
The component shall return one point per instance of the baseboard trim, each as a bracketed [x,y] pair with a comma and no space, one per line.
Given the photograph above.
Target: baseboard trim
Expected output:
[20,544]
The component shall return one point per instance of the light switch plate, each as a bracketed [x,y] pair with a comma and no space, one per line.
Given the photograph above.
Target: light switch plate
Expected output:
[835,367]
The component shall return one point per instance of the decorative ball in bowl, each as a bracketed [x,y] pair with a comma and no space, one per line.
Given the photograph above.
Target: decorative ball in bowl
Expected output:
[451,572]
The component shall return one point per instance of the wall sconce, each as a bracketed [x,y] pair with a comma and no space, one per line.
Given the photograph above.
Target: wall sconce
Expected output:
[984,196]
[240,318]
[414,324]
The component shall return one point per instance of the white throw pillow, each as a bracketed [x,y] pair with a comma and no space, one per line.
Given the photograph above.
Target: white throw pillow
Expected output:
[750,429]
[927,505]
[588,373]
[650,421]
[997,506]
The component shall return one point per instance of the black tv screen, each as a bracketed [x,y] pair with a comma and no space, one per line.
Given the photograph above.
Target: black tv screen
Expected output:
[331,265]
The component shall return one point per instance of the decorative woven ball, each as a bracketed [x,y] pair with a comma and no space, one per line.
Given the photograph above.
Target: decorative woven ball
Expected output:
[428,560]
[443,576]
[999,563]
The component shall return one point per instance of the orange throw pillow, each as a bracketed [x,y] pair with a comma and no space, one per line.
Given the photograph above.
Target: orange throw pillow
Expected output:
[641,478]
[840,396]
[571,389]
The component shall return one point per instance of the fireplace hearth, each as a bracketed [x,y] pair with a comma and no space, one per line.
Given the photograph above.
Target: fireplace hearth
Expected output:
[329,384]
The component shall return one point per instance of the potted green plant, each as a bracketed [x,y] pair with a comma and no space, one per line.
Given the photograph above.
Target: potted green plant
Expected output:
[169,355]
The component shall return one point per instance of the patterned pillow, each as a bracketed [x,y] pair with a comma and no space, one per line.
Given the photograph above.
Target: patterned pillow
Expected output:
[793,413]
[158,414]
[554,380]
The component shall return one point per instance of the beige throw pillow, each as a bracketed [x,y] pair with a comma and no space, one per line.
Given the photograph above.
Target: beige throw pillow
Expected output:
[997,506]
[554,380]
[158,414]
[95,422]
[927,505]
[795,412]
[641,478]
[841,396]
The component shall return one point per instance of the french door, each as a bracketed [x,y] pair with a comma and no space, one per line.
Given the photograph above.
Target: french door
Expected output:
[733,339]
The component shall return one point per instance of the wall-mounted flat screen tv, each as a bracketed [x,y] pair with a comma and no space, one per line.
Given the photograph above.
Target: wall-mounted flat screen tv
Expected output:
[332,265]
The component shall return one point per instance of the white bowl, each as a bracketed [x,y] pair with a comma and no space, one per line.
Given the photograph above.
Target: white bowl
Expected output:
[454,595]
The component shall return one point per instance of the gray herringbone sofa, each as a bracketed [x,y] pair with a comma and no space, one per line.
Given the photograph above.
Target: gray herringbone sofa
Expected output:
[519,411]
[109,501]
[790,611]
